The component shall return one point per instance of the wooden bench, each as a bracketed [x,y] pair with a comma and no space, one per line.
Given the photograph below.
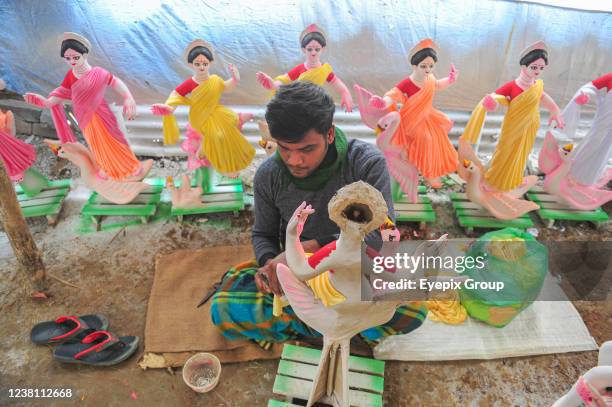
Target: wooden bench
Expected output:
[142,208]
[298,366]
[471,215]
[227,195]
[552,208]
[47,203]
[406,211]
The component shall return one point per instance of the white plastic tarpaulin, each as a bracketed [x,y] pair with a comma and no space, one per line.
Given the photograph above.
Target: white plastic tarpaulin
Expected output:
[141,41]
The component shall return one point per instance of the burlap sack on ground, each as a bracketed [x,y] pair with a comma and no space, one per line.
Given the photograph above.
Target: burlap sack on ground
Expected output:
[175,329]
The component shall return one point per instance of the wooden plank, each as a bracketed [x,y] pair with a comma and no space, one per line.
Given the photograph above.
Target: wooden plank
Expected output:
[41,201]
[224,189]
[459,196]
[143,199]
[153,189]
[277,403]
[159,182]
[42,210]
[232,196]
[420,199]
[482,212]
[211,207]
[312,356]
[357,380]
[223,180]
[401,206]
[553,208]
[551,203]
[575,215]
[118,210]
[540,198]
[493,223]
[466,204]
[299,388]
[428,216]
[44,194]
[55,184]
[538,189]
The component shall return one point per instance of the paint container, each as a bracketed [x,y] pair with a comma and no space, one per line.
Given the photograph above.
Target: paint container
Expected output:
[201,372]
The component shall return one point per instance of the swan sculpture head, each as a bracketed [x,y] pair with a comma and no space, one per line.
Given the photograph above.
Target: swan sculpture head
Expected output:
[358,209]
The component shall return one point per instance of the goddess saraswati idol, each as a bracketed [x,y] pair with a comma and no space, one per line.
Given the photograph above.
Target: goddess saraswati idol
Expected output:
[214,135]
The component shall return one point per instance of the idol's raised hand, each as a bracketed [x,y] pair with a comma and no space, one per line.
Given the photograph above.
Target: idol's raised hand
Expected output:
[160,109]
[453,74]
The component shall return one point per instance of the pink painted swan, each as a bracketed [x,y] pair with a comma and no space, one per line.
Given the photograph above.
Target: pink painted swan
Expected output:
[357,209]
[376,115]
[502,205]
[118,192]
[371,107]
[185,197]
[18,157]
[399,167]
[556,163]
[594,388]
[266,141]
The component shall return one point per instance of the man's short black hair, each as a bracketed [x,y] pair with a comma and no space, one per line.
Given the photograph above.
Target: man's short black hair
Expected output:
[297,108]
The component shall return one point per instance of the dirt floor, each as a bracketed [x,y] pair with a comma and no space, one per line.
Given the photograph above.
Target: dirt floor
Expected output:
[113,271]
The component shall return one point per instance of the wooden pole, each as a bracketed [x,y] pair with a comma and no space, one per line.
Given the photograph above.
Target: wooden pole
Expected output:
[19,235]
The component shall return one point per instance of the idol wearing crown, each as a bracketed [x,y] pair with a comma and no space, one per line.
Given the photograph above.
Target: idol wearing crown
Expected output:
[313,42]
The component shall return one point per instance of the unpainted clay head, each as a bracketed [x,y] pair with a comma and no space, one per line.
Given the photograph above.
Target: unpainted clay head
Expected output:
[358,209]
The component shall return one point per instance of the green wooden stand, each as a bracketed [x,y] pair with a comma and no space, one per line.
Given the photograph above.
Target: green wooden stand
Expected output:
[221,194]
[143,207]
[406,211]
[298,366]
[47,203]
[471,215]
[552,208]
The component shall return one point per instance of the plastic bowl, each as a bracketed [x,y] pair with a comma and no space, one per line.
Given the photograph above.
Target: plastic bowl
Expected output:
[201,372]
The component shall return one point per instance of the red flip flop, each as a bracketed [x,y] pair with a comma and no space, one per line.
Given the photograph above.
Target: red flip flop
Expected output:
[67,329]
[100,348]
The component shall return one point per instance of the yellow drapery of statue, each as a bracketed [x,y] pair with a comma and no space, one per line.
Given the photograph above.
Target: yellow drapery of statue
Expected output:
[222,143]
[518,133]
[315,75]
[321,287]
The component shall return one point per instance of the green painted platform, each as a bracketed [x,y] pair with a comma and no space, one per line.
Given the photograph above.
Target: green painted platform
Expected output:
[47,203]
[298,366]
[471,216]
[552,209]
[143,207]
[276,403]
[227,195]
[406,211]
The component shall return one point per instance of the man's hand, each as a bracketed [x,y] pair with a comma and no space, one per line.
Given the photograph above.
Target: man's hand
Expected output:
[266,279]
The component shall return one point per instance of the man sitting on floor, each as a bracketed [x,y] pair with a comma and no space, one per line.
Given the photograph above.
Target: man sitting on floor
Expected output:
[313,161]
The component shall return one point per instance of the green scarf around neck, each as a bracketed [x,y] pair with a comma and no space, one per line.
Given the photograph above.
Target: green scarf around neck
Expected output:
[336,154]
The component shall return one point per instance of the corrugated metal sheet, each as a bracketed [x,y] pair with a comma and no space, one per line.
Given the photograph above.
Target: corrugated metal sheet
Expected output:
[145,133]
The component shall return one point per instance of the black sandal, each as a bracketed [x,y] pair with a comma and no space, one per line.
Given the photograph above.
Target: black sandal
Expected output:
[67,329]
[101,348]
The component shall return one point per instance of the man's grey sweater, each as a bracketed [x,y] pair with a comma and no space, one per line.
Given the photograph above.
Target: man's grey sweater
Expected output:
[274,204]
